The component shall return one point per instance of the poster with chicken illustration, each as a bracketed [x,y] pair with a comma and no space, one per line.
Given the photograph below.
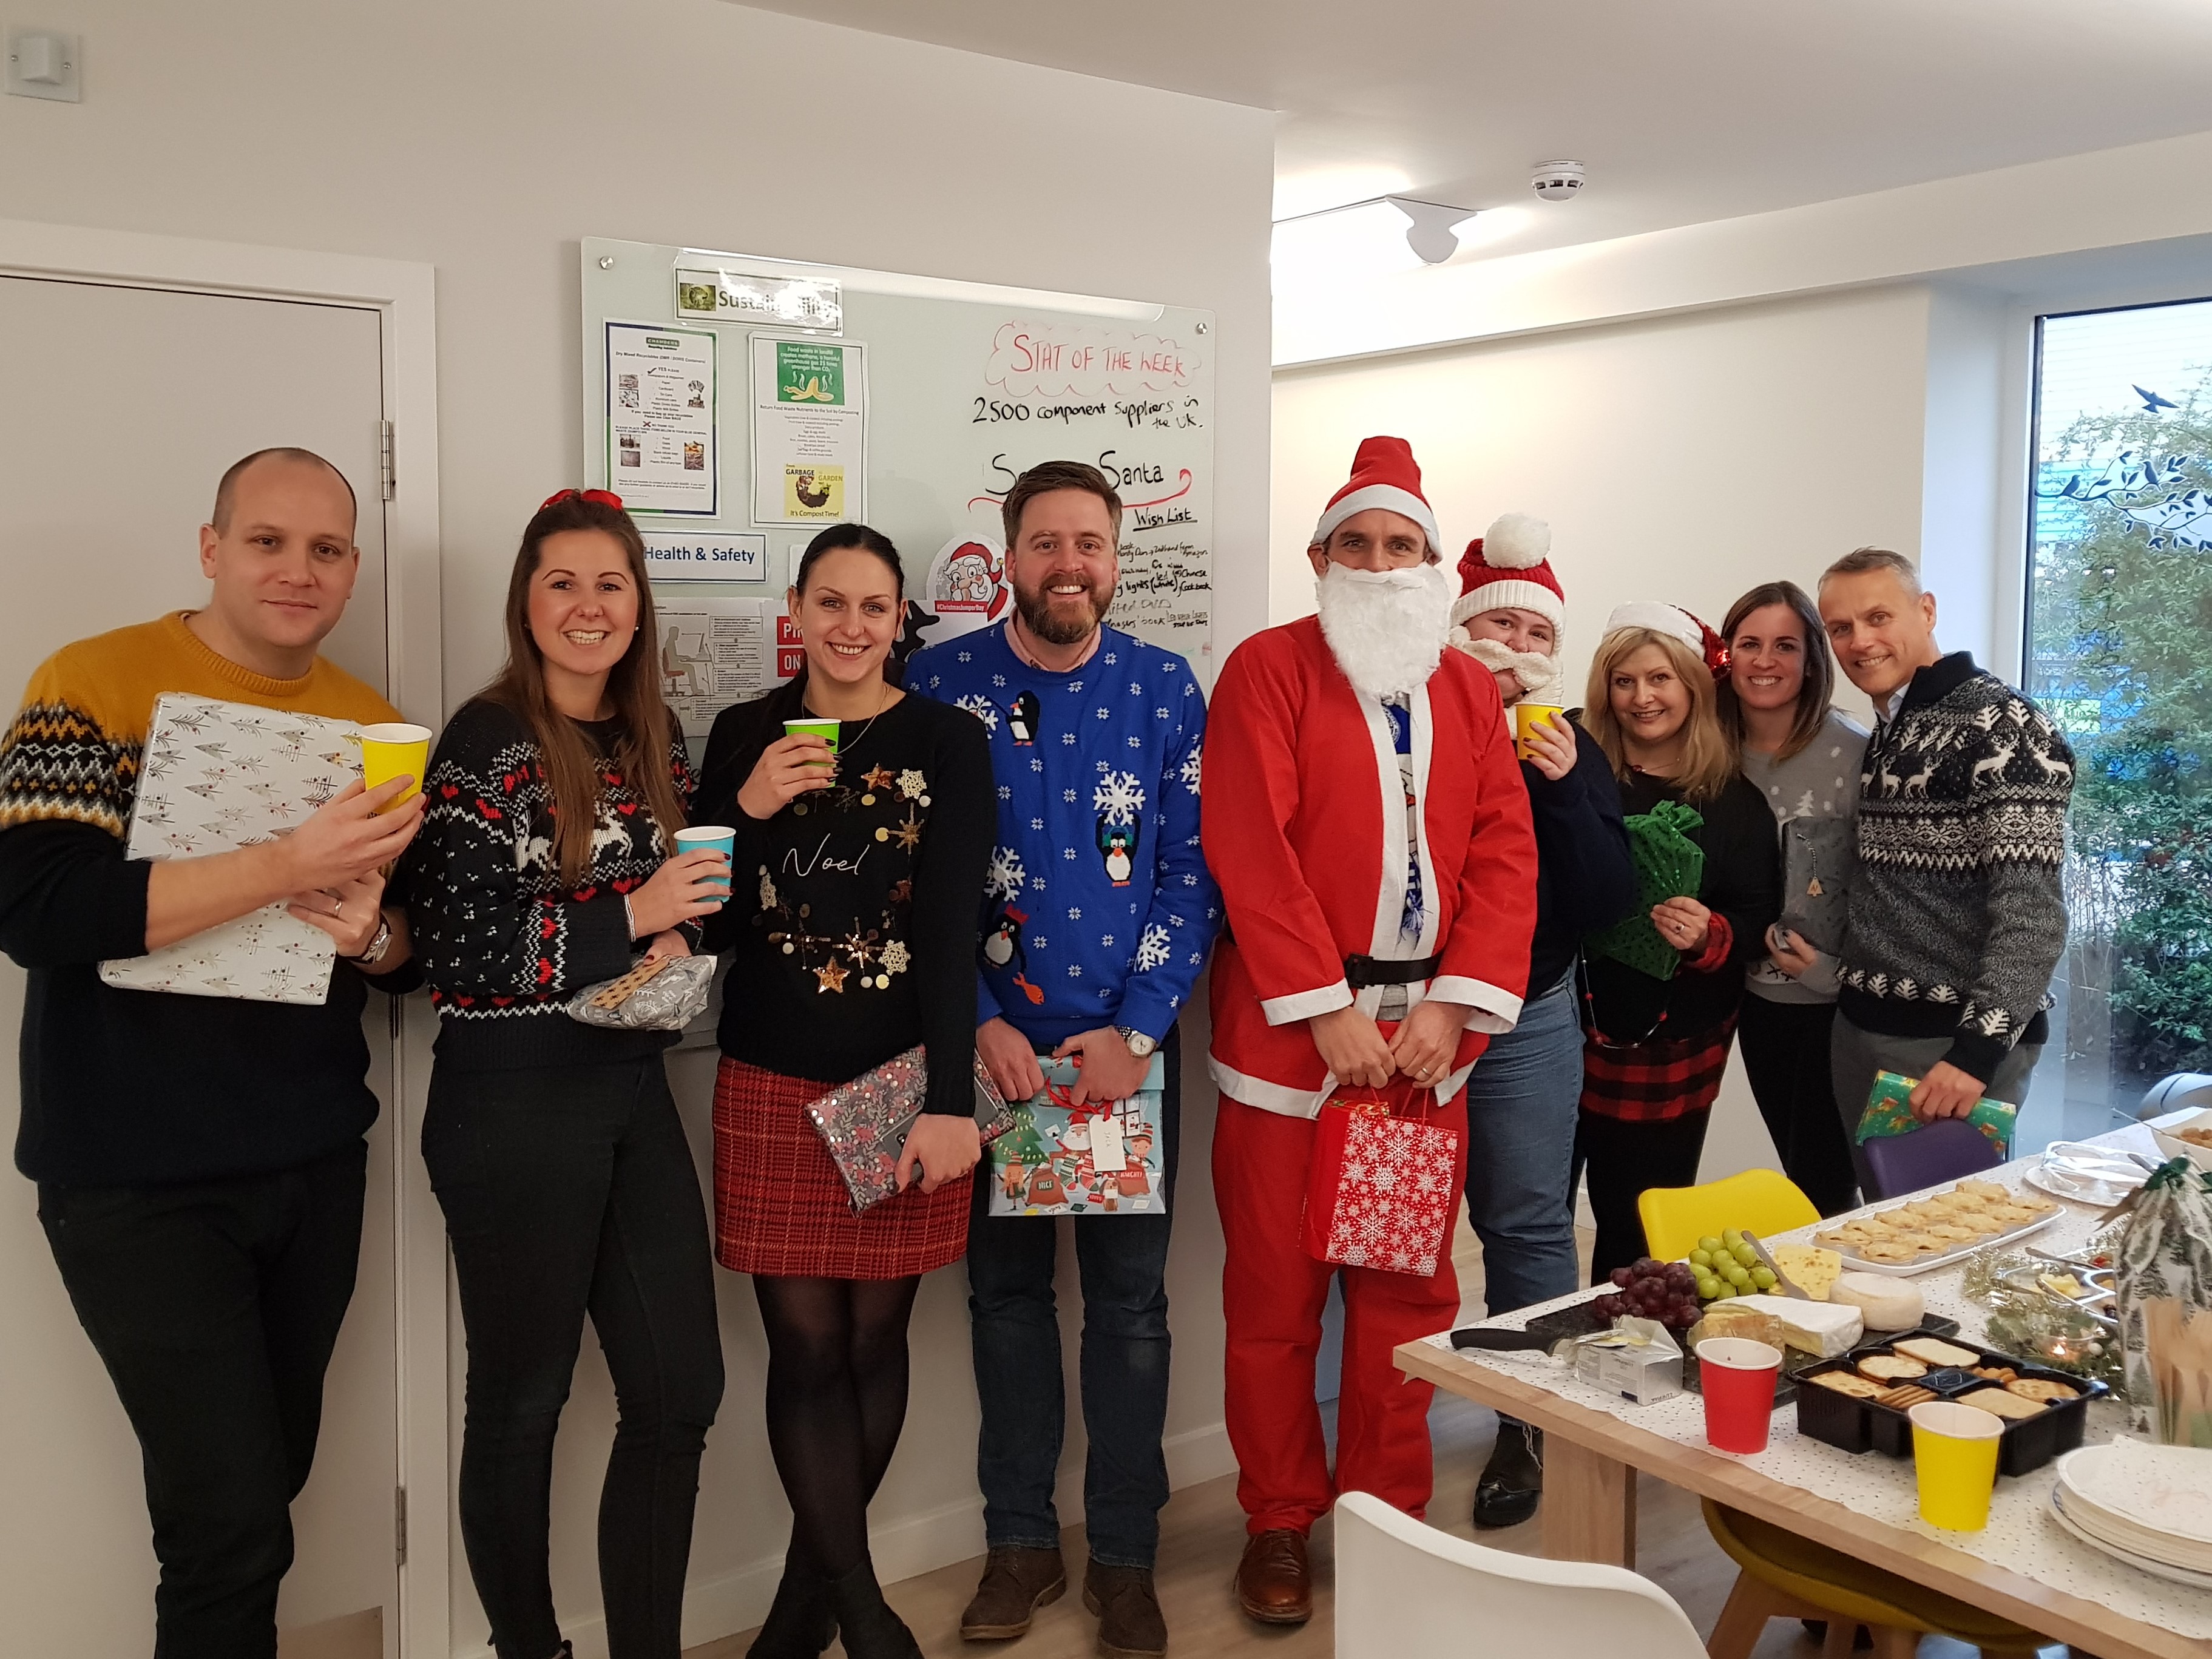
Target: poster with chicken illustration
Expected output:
[1093,1158]
[810,430]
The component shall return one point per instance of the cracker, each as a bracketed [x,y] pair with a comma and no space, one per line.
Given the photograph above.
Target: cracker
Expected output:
[1887,1367]
[2000,1403]
[1905,1396]
[1935,1352]
[2041,1389]
[1845,1382]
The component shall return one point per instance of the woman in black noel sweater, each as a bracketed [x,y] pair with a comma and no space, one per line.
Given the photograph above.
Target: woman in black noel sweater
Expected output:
[1653,1050]
[851,938]
[554,1146]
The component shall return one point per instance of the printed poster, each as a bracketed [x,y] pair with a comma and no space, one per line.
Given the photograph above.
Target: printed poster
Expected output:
[660,418]
[810,426]
[716,651]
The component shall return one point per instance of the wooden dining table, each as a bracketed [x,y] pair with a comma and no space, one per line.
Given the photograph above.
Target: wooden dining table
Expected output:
[1592,1458]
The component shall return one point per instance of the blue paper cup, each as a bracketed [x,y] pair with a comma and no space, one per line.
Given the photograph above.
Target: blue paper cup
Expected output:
[718,836]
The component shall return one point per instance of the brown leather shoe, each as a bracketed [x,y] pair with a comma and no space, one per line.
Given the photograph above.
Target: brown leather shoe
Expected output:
[1273,1584]
[1130,1622]
[1016,1583]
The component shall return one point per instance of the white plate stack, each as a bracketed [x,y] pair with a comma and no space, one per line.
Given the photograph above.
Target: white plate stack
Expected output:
[2150,1506]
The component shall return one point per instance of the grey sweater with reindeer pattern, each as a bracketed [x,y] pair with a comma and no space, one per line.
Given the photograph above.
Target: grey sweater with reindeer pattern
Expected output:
[1957,919]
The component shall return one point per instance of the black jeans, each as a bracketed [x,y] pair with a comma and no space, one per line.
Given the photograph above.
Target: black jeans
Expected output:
[567,1190]
[1015,1325]
[1785,1057]
[1621,1159]
[214,1305]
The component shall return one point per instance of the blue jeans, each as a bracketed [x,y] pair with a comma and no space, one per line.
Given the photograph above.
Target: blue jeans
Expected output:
[1015,1325]
[1522,1100]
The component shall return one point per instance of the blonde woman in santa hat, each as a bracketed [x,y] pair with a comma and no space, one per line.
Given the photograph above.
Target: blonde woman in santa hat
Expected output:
[1654,1049]
[1522,1097]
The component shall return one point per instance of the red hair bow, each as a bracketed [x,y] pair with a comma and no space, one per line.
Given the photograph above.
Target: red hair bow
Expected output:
[603,497]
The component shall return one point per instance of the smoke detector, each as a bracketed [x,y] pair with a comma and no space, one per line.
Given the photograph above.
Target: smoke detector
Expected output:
[1556,181]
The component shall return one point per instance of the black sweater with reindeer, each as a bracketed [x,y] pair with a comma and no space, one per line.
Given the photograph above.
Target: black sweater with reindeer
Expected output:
[503,941]
[851,929]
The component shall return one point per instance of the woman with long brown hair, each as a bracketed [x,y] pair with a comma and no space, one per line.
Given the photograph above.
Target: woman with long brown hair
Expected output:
[1654,1048]
[544,866]
[1804,758]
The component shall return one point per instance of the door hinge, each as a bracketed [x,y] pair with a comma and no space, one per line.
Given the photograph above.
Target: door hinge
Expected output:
[388,469]
[399,1524]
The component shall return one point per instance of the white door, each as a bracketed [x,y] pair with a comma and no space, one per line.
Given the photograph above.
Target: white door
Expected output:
[120,408]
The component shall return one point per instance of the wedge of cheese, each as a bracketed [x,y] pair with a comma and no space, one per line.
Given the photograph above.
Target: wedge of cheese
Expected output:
[1887,1304]
[1817,1327]
[1810,1268]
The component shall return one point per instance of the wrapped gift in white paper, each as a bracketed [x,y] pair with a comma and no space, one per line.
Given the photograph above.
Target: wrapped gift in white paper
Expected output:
[221,776]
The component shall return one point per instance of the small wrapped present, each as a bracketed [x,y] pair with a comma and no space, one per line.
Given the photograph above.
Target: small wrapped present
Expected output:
[1668,865]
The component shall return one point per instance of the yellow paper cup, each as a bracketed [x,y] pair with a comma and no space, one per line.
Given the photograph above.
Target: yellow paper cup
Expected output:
[1527,716]
[1954,1458]
[394,749]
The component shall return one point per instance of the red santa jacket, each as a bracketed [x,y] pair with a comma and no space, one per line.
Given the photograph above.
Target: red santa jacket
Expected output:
[1303,822]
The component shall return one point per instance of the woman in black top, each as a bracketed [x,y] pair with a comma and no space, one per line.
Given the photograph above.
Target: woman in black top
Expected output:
[1654,1049]
[554,1146]
[851,940]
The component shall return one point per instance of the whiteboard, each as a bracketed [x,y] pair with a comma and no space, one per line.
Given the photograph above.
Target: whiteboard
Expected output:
[960,387]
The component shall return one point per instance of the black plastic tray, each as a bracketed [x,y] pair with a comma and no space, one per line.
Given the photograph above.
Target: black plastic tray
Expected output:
[1853,1425]
[1582,1318]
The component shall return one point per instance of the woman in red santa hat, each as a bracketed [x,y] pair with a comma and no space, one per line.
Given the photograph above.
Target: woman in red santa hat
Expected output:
[1364,815]
[1522,1100]
[1654,1048]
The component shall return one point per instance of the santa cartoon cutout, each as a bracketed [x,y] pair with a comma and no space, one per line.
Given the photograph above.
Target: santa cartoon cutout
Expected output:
[1365,816]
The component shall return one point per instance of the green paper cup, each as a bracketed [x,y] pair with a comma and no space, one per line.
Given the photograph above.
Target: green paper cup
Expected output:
[825,729]
[394,749]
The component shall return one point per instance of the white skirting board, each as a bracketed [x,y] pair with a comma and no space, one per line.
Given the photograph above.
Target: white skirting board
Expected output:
[737,1600]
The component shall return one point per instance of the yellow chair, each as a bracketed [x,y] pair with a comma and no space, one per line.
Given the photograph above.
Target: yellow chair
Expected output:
[1762,1201]
[1786,1576]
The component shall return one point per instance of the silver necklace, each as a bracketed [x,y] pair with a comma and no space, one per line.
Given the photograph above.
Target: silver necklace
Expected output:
[882,703]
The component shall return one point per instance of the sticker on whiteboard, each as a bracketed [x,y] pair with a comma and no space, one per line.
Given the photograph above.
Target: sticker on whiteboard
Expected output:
[967,587]
[813,492]
[742,557]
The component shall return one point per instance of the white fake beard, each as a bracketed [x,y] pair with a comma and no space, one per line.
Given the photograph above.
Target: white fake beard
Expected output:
[1386,629]
[1536,673]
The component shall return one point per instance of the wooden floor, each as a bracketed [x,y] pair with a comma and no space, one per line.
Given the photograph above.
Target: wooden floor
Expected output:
[1202,1533]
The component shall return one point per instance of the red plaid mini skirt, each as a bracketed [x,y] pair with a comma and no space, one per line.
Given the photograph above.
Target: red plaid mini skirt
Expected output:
[1652,1082]
[781,1208]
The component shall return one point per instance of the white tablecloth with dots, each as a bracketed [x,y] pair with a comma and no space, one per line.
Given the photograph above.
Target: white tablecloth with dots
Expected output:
[2022,1535]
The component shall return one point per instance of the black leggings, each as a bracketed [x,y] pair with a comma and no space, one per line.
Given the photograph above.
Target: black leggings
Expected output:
[1622,1159]
[570,1190]
[1785,1057]
[836,1399]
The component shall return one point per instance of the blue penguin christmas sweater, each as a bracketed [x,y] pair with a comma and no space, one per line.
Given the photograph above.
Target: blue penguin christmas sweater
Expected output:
[1098,909]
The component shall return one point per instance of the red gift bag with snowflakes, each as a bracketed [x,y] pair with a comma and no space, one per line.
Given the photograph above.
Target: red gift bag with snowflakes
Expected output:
[1381,1192]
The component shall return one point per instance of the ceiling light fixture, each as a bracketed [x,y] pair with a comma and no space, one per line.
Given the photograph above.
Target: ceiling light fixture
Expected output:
[1430,226]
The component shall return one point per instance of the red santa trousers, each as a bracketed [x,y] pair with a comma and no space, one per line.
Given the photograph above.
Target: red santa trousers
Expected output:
[1272,1294]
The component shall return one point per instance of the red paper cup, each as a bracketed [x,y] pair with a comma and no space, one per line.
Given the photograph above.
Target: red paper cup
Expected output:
[1739,1377]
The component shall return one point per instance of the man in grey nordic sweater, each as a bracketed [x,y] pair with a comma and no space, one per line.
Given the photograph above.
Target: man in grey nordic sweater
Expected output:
[1956,921]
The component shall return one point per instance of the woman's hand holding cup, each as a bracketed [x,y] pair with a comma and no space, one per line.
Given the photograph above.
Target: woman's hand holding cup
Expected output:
[686,887]
[787,769]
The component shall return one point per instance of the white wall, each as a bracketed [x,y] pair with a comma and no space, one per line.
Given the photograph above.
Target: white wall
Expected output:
[1685,459]
[486,138]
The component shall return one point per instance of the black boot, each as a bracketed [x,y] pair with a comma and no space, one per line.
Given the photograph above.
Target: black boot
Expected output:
[869,1628]
[802,1621]
[1513,1480]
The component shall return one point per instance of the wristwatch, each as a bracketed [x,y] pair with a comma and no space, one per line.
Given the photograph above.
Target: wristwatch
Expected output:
[1139,1045]
[379,944]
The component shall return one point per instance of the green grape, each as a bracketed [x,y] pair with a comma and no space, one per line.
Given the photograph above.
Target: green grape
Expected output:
[1701,1258]
[1763,1276]
[1709,1288]
[1731,1238]
[1709,1246]
[1738,1277]
[1746,1255]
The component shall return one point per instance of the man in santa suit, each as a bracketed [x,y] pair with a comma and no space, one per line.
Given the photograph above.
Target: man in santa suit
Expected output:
[1366,818]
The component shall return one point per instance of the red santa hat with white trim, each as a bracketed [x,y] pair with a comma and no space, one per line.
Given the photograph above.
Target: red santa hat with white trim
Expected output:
[1677,623]
[1384,474]
[1508,565]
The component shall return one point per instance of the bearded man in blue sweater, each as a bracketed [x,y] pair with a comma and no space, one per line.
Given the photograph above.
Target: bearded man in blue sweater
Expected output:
[1099,916]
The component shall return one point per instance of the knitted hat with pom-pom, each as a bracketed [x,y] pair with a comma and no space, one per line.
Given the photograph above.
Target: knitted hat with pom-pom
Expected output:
[1507,565]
